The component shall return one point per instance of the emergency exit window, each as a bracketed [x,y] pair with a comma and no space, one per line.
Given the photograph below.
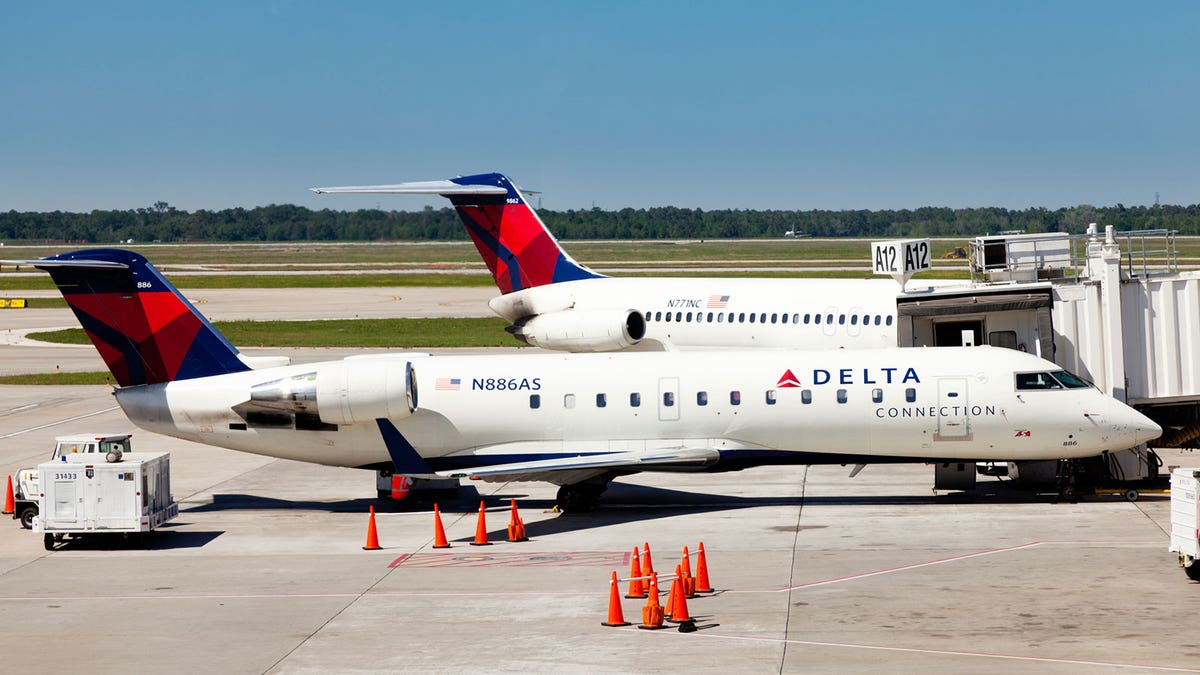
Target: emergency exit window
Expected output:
[635,400]
[668,398]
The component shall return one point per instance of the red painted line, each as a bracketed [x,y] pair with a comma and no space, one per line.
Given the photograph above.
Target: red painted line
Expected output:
[946,652]
[891,570]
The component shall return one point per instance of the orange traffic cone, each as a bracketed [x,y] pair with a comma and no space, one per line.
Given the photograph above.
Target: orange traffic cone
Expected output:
[439,532]
[10,504]
[516,528]
[652,612]
[686,580]
[679,609]
[615,616]
[671,595]
[702,584]
[647,563]
[637,587]
[372,534]
[481,529]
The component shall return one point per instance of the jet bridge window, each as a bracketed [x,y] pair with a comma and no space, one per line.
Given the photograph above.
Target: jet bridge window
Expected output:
[735,397]
[635,400]
[770,397]
[601,400]
[702,398]
[1027,381]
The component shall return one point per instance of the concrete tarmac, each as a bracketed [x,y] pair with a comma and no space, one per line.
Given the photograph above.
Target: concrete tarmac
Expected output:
[263,571]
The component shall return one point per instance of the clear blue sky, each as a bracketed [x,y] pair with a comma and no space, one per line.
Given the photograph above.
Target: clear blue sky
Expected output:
[699,104]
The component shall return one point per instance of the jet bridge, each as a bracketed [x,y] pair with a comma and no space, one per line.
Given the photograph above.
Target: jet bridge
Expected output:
[1111,307]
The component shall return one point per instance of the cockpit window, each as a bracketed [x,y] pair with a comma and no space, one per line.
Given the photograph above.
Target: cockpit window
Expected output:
[1071,380]
[1036,381]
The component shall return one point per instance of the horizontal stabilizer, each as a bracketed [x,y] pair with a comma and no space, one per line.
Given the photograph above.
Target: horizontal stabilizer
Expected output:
[428,187]
[85,264]
[633,460]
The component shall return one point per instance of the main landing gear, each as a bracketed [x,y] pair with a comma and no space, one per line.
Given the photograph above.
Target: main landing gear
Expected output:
[580,497]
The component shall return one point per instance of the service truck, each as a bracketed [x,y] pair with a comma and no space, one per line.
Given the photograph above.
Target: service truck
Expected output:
[89,494]
[26,493]
[1185,520]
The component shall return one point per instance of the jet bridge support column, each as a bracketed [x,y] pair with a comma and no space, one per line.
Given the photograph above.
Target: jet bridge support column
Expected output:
[1111,318]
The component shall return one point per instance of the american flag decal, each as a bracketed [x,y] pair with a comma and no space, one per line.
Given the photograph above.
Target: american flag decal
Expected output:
[447,384]
[717,301]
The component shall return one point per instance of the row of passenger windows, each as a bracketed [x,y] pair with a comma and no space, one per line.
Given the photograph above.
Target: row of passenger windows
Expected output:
[774,317]
[735,398]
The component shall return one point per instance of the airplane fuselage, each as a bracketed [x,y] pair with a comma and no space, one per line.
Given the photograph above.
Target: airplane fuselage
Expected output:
[755,407]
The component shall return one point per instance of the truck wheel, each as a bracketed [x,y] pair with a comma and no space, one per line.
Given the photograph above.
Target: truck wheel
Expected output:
[1192,569]
[48,541]
[27,515]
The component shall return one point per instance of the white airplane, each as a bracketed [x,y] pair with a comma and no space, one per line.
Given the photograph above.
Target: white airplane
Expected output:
[578,420]
[556,303]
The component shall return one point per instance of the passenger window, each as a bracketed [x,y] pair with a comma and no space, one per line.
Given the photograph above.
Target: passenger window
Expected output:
[877,318]
[816,319]
[742,317]
[635,400]
[735,397]
[806,396]
[806,317]
[773,317]
[568,400]
[601,400]
[910,395]
[668,317]
[668,398]
[841,319]
[888,321]
[796,318]
[853,319]
[710,317]
[679,316]
[720,317]
[783,318]
[770,397]
[702,398]
[841,395]
[828,318]
[762,318]
[658,316]
[689,316]
[752,317]
[535,401]
[876,395]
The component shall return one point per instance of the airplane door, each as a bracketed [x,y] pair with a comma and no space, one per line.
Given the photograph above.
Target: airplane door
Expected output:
[952,409]
[668,399]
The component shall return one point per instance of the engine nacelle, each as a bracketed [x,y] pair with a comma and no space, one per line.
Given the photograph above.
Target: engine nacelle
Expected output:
[575,330]
[350,392]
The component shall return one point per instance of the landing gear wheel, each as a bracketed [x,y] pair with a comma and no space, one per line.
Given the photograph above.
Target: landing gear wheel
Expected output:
[1192,569]
[580,497]
[27,515]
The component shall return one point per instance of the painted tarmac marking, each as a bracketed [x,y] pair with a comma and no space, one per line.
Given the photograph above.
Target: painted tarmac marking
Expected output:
[544,559]
[54,424]
[891,570]
[945,652]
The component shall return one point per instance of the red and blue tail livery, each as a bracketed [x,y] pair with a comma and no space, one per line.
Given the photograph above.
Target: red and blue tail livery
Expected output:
[146,332]
[518,249]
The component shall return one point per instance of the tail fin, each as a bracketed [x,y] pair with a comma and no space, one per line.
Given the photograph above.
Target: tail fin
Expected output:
[518,249]
[146,332]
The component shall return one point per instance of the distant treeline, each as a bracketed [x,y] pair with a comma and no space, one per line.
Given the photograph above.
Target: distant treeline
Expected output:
[163,222]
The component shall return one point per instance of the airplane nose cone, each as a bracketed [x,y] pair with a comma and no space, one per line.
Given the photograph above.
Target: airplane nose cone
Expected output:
[1143,428]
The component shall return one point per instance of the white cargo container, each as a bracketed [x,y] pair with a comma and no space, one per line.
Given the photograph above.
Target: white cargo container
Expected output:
[1185,520]
[82,495]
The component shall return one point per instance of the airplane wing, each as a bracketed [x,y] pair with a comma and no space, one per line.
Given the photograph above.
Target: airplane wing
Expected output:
[428,187]
[665,459]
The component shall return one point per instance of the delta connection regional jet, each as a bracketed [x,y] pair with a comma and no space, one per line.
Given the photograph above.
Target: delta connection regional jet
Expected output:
[553,302]
[577,420]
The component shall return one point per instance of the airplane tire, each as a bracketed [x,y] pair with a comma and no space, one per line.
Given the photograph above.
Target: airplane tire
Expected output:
[1192,570]
[579,497]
